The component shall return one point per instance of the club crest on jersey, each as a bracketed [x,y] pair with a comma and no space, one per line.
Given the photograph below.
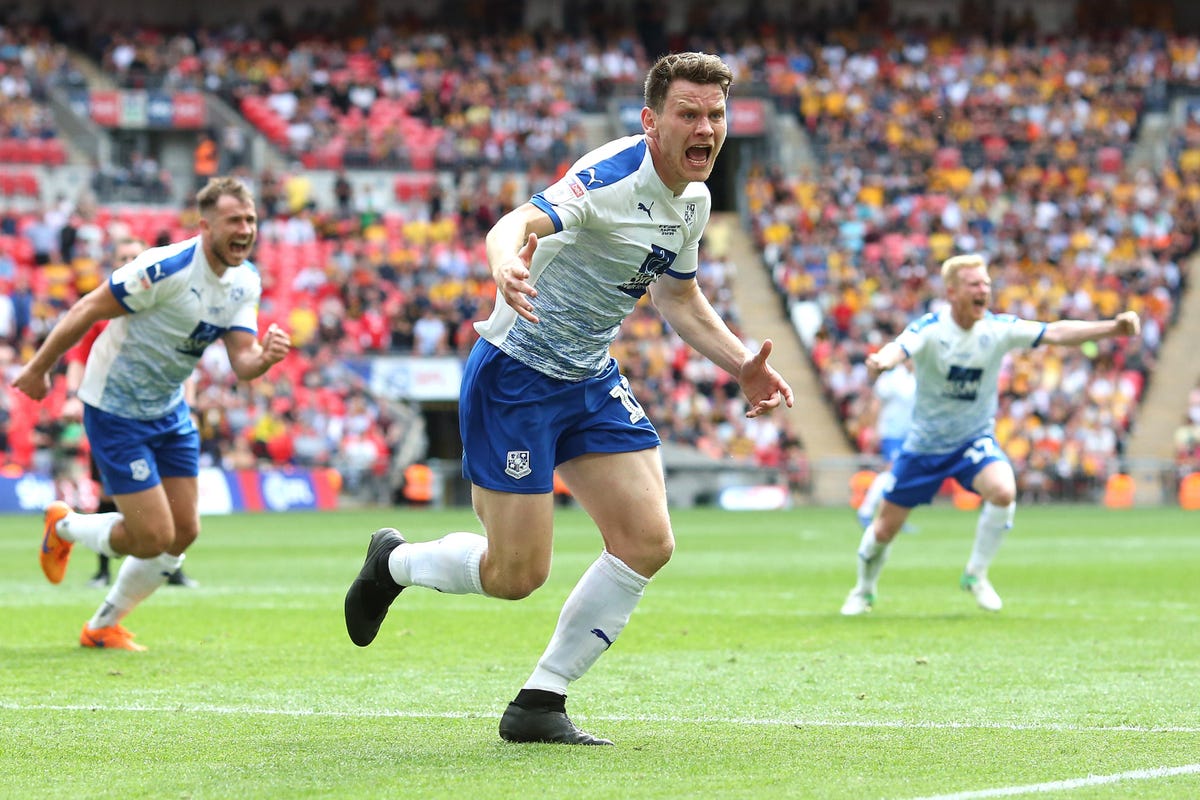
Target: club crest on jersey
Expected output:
[518,464]
[689,213]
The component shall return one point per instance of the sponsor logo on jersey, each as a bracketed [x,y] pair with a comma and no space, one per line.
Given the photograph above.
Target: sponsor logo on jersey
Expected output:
[204,334]
[657,261]
[689,213]
[962,383]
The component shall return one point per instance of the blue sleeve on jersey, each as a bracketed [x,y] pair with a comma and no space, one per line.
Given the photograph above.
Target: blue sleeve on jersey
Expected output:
[545,206]
[614,168]
[145,272]
[120,292]
[922,322]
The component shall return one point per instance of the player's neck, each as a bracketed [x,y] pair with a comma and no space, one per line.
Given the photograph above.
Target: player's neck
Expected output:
[214,263]
[966,323]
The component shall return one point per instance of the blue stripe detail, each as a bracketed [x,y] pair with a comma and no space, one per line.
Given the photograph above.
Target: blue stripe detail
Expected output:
[542,203]
[175,263]
[614,168]
[1038,340]
[683,276]
[923,322]
[119,293]
[156,271]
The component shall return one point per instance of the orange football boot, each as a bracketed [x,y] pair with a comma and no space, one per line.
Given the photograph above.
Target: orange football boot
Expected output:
[114,637]
[55,550]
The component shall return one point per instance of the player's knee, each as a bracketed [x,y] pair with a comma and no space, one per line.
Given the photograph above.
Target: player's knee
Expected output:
[659,554]
[185,535]
[645,556]
[885,532]
[516,584]
[149,542]
[1004,495]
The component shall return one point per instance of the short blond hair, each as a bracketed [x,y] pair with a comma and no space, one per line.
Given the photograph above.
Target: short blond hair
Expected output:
[955,264]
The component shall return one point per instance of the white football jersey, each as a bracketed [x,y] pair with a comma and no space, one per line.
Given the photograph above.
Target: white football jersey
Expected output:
[958,373]
[618,229]
[178,307]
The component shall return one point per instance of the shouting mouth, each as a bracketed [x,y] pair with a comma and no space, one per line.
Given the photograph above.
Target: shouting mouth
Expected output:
[240,250]
[698,156]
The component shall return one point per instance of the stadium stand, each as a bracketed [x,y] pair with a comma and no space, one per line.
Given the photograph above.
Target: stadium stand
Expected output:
[1028,164]
[1031,161]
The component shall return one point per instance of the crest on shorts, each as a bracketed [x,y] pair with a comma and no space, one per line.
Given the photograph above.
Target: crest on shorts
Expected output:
[689,213]
[518,464]
[139,469]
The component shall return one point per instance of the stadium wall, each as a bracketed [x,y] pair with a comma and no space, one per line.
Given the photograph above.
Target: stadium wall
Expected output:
[221,491]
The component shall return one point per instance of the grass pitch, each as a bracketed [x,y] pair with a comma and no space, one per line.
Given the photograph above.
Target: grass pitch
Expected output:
[736,677]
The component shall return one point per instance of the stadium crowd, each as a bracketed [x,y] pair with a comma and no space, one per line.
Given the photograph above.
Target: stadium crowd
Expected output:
[928,148]
[923,145]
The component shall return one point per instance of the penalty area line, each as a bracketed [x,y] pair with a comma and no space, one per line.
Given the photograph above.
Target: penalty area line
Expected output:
[1072,783]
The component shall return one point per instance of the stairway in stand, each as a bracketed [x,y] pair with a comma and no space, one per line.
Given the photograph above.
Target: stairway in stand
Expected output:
[763,317]
[1164,402]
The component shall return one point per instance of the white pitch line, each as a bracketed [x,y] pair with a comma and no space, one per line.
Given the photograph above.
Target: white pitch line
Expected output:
[1073,783]
[655,718]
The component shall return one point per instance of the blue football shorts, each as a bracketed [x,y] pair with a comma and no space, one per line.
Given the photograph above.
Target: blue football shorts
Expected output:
[517,424]
[133,455]
[920,475]
[889,447]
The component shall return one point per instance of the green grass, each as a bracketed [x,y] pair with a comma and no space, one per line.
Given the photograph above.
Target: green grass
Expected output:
[736,678]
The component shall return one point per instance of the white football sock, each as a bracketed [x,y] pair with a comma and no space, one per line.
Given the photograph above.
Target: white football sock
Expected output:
[90,530]
[593,616]
[136,580]
[449,564]
[994,522]
[871,557]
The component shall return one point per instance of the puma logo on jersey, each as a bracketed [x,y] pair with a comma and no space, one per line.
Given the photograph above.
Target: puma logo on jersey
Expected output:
[644,207]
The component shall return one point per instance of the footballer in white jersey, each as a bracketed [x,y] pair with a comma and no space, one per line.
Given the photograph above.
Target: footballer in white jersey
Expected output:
[618,229]
[139,363]
[957,373]
[541,397]
[957,355]
[165,307]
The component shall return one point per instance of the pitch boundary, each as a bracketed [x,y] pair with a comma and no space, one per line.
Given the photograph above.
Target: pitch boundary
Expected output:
[1072,783]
